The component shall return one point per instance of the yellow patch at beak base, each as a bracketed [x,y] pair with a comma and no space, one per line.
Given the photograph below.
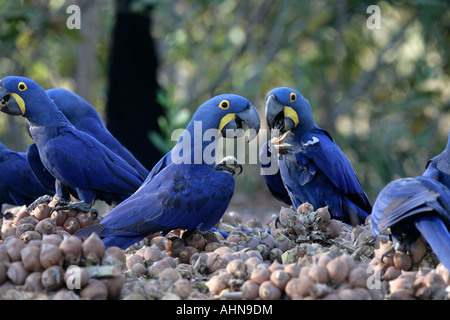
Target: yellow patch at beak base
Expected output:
[19,101]
[290,113]
[227,118]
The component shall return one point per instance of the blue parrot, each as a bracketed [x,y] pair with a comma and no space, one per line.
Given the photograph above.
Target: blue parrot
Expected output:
[438,168]
[78,161]
[411,207]
[312,168]
[85,118]
[18,186]
[185,190]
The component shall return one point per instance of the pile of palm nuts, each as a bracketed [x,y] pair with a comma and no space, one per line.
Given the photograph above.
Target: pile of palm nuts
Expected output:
[40,259]
[69,220]
[302,254]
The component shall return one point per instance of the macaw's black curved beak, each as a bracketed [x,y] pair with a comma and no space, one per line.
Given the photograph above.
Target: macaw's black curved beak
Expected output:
[9,103]
[250,116]
[277,117]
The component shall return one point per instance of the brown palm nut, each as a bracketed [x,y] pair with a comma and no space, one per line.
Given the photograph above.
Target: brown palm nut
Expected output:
[50,255]
[17,273]
[70,247]
[94,290]
[93,249]
[53,278]
[30,258]
[279,278]
[268,291]
[71,225]
[46,226]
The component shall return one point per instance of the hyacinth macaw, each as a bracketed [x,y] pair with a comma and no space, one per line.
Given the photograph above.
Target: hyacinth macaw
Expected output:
[185,191]
[438,168]
[312,168]
[85,118]
[76,160]
[411,207]
[18,186]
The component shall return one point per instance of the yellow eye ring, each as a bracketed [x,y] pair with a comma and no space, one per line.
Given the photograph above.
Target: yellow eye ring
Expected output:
[22,86]
[224,104]
[292,97]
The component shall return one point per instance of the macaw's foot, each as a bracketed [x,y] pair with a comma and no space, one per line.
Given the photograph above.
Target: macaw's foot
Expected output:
[79,206]
[38,201]
[277,144]
[229,164]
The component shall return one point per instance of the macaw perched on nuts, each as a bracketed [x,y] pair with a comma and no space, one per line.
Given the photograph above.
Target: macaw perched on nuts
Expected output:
[74,158]
[84,117]
[312,168]
[187,192]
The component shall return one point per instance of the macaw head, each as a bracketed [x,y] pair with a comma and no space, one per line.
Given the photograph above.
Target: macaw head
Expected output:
[227,113]
[18,94]
[286,109]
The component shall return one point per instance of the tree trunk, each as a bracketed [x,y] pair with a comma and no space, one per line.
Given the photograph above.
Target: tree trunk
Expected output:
[86,69]
[132,110]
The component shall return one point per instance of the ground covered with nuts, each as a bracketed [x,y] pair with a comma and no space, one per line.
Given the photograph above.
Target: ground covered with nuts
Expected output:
[303,254]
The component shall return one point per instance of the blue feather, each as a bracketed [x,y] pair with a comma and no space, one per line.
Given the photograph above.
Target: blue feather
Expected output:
[18,185]
[414,206]
[85,118]
[438,168]
[75,159]
[313,168]
[190,194]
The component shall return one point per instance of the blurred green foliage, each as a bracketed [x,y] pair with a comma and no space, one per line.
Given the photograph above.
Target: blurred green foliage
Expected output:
[384,95]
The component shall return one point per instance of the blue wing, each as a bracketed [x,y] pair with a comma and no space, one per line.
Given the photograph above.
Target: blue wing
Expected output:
[436,233]
[18,186]
[438,169]
[162,163]
[81,162]
[85,118]
[39,171]
[329,159]
[180,197]
[273,180]
[423,201]
[398,200]
[403,198]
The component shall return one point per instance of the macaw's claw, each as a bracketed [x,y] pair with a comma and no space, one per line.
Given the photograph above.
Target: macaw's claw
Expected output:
[38,201]
[283,147]
[387,252]
[278,144]
[277,221]
[79,206]
[229,164]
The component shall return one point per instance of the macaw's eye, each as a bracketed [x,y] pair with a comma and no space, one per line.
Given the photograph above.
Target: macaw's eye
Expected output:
[224,104]
[292,97]
[22,86]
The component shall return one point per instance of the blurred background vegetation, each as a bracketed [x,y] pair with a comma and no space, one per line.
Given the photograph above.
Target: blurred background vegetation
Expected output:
[384,95]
